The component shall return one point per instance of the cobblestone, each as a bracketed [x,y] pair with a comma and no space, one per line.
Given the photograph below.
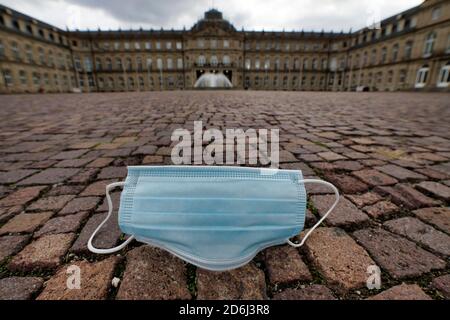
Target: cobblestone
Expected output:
[53,161]
[19,288]
[402,292]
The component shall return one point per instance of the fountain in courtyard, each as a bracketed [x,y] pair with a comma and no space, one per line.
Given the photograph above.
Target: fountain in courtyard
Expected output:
[213,80]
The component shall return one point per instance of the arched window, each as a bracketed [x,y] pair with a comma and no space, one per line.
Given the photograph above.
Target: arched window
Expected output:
[119,64]
[277,64]
[296,63]
[159,64]
[305,64]
[98,64]
[129,65]
[314,64]
[108,64]
[214,61]
[286,64]
[111,82]
[131,82]
[248,64]
[201,60]
[444,76]
[408,49]
[373,58]
[395,52]
[422,76]
[383,55]
[429,44]
[257,64]
[226,60]
[139,63]
[169,63]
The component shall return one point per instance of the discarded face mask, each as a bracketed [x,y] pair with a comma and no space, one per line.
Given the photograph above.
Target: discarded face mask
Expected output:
[217,218]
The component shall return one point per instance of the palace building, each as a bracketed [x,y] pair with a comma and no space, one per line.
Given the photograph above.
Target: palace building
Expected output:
[408,51]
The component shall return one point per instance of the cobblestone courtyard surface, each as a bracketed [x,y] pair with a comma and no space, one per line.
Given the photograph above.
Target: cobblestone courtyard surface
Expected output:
[389,155]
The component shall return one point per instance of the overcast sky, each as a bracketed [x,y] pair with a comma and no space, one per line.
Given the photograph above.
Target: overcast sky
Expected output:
[290,15]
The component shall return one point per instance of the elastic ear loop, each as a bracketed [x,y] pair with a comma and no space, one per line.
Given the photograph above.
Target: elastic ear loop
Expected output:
[336,193]
[110,209]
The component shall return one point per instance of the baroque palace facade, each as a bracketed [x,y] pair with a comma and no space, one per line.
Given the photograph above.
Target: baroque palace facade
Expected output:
[409,51]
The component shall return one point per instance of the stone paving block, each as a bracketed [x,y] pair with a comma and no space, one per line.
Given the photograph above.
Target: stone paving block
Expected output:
[338,258]
[348,165]
[306,170]
[50,176]
[330,156]
[113,172]
[19,288]
[312,292]
[439,217]
[416,230]
[10,245]
[8,213]
[153,274]
[107,236]
[54,203]
[374,177]
[100,162]
[148,160]
[15,175]
[80,204]
[436,189]
[21,196]
[365,199]
[399,256]
[442,284]
[43,253]
[433,174]
[147,150]
[84,176]
[381,209]
[97,188]
[344,214]
[64,224]
[25,222]
[68,155]
[400,173]
[402,292]
[74,163]
[284,265]
[347,184]
[95,281]
[406,196]
[244,283]
[60,190]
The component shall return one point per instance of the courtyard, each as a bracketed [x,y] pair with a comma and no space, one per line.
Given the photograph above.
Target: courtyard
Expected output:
[388,153]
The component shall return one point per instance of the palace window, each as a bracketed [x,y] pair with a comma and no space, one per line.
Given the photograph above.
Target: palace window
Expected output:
[88,64]
[422,76]
[149,63]
[158,45]
[226,43]
[23,77]
[296,64]
[402,76]
[267,64]
[119,64]
[394,53]
[131,82]
[98,64]
[248,64]
[314,64]
[50,58]
[148,45]
[116,45]
[169,45]
[408,49]
[383,55]
[200,43]
[141,82]
[56,79]
[7,77]
[137,45]
[121,82]
[213,43]
[214,61]
[201,60]
[429,44]
[108,64]
[2,49]
[126,45]
[169,63]
[257,64]
[15,50]
[373,59]
[226,60]
[286,64]
[128,64]
[436,13]
[444,76]
[46,79]
[139,63]
[277,64]
[41,33]
[305,64]
[36,79]
[324,64]
[101,83]
[42,56]
[179,63]
[179,45]
[159,64]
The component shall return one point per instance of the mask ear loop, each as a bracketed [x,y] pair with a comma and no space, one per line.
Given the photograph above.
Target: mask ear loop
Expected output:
[336,193]
[110,209]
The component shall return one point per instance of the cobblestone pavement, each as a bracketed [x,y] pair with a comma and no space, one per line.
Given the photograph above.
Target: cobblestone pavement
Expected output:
[389,154]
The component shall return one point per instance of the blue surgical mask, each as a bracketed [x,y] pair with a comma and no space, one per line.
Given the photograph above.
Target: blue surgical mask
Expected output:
[217,218]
